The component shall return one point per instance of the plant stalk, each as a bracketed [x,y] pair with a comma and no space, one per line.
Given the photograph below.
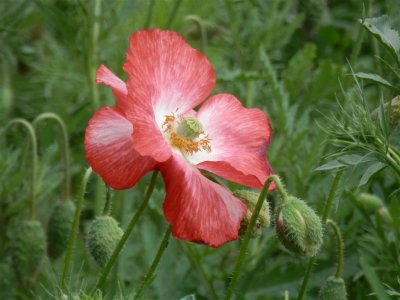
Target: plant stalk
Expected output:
[147,278]
[64,144]
[246,239]
[325,215]
[75,225]
[32,135]
[124,238]
[339,245]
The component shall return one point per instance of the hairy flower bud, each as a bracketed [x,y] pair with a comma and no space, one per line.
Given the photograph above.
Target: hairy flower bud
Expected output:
[298,227]
[102,237]
[263,220]
[59,227]
[28,248]
[333,289]
[370,202]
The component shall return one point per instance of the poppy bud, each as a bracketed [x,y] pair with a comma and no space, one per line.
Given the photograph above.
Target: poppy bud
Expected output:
[59,227]
[28,249]
[298,227]
[370,201]
[263,220]
[333,289]
[102,237]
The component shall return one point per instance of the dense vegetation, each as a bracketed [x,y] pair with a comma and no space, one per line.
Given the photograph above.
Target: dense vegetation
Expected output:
[325,72]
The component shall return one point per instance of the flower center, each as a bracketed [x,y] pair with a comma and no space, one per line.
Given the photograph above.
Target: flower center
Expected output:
[186,134]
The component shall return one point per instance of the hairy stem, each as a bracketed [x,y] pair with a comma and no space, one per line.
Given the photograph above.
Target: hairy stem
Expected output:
[32,136]
[147,278]
[246,239]
[74,229]
[64,144]
[339,245]
[121,243]
[325,215]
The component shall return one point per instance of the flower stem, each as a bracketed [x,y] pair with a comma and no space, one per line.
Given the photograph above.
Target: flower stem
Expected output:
[173,13]
[325,215]
[64,144]
[339,244]
[193,257]
[126,234]
[149,16]
[74,229]
[32,135]
[246,239]
[149,275]
[108,202]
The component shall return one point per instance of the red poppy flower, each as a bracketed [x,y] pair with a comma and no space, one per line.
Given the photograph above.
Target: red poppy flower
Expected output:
[154,125]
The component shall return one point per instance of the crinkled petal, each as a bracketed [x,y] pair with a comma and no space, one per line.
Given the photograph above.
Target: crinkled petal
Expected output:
[198,209]
[165,76]
[108,78]
[239,141]
[109,149]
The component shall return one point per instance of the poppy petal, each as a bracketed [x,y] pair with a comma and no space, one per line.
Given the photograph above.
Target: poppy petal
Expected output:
[109,149]
[239,140]
[108,78]
[165,76]
[198,209]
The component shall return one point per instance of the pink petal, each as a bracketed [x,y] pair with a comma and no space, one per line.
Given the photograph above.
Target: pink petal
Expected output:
[239,141]
[109,149]
[165,76]
[106,77]
[198,209]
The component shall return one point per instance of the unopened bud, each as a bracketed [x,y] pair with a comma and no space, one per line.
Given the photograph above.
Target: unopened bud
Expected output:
[333,289]
[263,220]
[59,227]
[102,237]
[28,249]
[298,227]
[370,202]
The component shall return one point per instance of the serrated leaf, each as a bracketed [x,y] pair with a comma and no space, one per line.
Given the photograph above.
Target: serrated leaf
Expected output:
[377,79]
[375,168]
[334,164]
[381,29]
[354,159]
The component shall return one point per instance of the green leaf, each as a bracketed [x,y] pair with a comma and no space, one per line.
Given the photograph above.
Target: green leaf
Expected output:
[334,164]
[373,280]
[375,168]
[381,29]
[377,79]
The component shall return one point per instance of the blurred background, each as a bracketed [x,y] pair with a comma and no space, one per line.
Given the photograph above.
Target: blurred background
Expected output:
[295,60]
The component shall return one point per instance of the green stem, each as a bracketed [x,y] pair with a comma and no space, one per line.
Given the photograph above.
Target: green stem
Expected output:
[172,15]
[149,16]
[75,225]
[126,234]
[149,275]
[197,264]
[325,215]
[93,53]
[339,245]
[31,133]
[108,202]
[246,239]
[235,31]
[64,144]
